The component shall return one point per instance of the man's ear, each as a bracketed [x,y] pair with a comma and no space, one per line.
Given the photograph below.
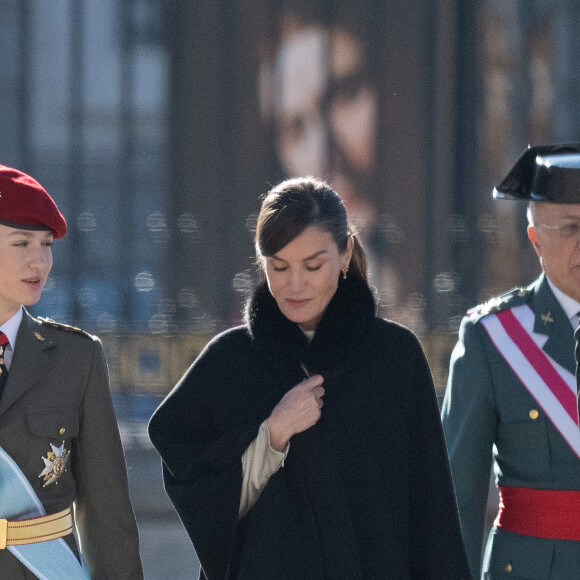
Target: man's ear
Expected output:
[533,237]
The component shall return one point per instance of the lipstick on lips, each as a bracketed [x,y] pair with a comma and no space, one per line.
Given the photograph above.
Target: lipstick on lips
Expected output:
[298,303]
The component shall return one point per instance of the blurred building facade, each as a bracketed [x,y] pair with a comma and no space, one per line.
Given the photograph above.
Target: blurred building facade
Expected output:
[83,109]
[156,125]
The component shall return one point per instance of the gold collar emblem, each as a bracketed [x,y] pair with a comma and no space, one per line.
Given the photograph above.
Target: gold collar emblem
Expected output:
[547,318]
[54,464]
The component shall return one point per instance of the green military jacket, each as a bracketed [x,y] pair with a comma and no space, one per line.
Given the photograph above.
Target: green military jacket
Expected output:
[490,418]
[57,393]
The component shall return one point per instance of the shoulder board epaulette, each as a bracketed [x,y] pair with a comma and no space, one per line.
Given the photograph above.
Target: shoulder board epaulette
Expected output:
[61,326]
[509,299]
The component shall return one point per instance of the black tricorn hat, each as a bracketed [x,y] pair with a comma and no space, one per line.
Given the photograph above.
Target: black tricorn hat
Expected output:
[548,173]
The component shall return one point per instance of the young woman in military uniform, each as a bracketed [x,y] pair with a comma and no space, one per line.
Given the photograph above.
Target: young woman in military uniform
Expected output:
[62,468]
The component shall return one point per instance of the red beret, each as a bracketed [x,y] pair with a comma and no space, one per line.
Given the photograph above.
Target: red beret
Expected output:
[25,204]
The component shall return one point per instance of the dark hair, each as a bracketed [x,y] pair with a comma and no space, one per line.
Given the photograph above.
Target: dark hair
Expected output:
[296,204]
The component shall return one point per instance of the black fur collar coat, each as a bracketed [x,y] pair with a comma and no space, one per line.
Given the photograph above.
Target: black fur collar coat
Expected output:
[366,493]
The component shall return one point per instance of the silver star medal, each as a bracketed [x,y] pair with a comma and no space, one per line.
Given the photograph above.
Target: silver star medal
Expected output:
[54,464]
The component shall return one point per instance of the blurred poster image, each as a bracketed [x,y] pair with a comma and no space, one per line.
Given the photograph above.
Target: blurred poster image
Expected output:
[318,94]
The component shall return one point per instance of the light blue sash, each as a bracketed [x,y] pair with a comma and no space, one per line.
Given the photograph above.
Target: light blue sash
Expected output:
[52,560]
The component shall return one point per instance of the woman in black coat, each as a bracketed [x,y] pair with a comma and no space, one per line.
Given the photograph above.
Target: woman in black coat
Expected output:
[269,483]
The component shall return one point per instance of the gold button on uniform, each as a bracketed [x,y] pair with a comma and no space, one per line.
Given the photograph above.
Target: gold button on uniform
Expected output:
[61,431]
[534,414]
[508,568]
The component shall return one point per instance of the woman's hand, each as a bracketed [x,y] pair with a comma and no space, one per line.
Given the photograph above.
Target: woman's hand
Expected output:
[297,411]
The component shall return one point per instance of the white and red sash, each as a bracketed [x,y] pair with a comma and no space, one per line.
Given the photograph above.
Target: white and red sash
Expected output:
[551,385]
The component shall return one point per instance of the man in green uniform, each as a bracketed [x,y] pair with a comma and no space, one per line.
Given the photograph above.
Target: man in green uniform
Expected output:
[62,468]
[511,395]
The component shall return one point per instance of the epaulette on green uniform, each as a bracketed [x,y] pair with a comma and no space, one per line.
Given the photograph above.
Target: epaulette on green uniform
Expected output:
[509,299]
[66,327]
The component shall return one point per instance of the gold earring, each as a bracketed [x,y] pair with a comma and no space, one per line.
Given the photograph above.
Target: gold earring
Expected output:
[344,272]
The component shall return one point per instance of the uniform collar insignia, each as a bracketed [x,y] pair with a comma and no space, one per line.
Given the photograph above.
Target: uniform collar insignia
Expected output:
[492,305]
[54,464]
[547,318]
[39,337]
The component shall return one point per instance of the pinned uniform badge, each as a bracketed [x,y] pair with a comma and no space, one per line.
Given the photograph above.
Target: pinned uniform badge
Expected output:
[54,464]
[39,337]
[547,318]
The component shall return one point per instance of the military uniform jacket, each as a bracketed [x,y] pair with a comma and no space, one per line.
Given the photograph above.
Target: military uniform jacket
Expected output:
[58,393]
[489,416]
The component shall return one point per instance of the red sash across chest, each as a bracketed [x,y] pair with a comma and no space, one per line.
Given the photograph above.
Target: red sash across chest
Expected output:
[542,513]
[552,386]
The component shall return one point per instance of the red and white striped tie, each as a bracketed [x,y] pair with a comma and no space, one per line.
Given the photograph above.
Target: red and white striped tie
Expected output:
[3,369]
